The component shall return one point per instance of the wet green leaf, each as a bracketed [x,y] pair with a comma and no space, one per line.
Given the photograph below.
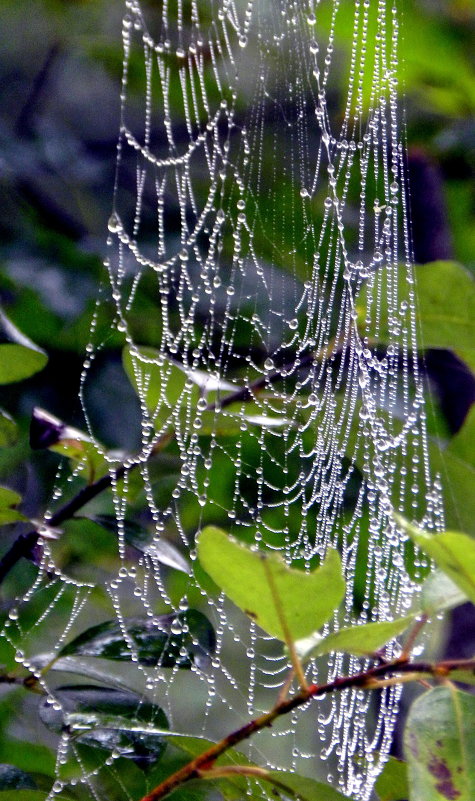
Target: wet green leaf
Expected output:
[110,719]
[361,640]
[392,783]
[180,640]
[267,589]
[453,552]
[439,746]
[8,500]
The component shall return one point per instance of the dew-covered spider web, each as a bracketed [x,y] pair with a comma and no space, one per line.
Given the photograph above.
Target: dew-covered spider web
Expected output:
[260,223]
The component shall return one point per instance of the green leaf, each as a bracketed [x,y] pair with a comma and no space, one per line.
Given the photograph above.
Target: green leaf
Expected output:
[257,580]
[453,552]
[392,784]
[8,430]
[288,785]
[456,465]
[445,306]
[20,358]
[361,640]
[111,719]
[138,537]
[438,743]
[180,640]
[439,593]
[8,500]
[25,795]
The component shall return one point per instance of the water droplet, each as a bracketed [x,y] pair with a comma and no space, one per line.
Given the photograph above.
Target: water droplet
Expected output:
[114,224]
[311,19]
[268,364]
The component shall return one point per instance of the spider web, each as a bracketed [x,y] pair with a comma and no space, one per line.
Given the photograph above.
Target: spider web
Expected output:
[268,225]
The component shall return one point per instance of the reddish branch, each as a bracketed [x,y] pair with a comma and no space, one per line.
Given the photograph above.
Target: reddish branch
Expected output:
[368,679]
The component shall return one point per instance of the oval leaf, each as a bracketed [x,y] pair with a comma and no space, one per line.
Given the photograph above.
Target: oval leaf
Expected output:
[110,719]
[439,746]
[453,552]
[361,640]
[252,579]
[172,640]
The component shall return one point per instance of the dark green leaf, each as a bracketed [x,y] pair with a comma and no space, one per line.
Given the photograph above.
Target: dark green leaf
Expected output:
[306,600]
[439,746]
[110,719]
[8,500]
[8,430]
[139,538]
[456,464]
[180,640]
[392,784]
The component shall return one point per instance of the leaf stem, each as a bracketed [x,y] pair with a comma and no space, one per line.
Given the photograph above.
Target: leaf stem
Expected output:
[289,640]
[200,766]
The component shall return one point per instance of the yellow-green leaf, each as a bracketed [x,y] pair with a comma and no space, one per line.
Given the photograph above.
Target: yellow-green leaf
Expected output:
[268,590]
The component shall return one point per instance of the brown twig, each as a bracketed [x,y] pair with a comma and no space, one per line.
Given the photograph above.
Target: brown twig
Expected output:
[200,765]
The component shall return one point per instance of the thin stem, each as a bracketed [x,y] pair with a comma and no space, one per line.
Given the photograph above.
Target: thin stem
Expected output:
[413,635]
[201,766]
[289,640]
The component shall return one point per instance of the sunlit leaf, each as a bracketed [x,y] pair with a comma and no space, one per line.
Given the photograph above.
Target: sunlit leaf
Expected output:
[180,640]
[391,784]
[20,358]
[266,589]
[110,719]
[8,500]
[453,552]
[438,743]
[361,640]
